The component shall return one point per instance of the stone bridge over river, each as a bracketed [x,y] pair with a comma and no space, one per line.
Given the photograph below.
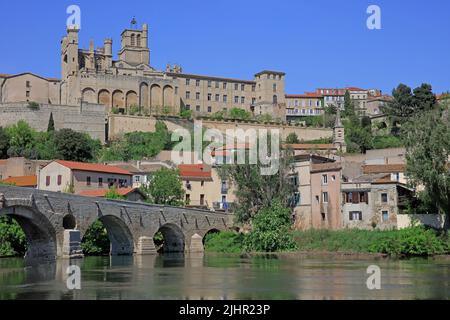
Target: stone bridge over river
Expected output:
[55,223]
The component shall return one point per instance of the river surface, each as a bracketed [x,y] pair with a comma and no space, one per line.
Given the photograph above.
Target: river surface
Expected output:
[214,276]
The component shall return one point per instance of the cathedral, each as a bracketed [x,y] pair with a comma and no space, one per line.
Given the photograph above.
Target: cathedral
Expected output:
[92,76]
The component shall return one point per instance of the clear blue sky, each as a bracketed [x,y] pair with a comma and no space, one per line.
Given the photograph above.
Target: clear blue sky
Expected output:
[318,43]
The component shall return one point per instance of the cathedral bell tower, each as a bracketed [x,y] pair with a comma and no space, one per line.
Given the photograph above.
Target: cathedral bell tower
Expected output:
[135,49]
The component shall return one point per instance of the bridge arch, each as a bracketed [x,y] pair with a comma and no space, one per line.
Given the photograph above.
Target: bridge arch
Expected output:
[174,238]
[211,231]
[39,231]
[119,234]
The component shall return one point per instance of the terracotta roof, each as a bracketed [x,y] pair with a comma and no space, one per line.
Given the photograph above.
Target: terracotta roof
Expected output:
[310,146]
[3,75]
[26,181]
[100,193]
[194,171]
[355,89]
[385,168]
[81,166]
[331,166]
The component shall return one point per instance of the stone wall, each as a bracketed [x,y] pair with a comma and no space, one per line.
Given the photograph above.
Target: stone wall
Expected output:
[89,118]
[435,221]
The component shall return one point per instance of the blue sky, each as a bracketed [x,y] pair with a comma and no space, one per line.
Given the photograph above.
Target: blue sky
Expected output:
[318,43]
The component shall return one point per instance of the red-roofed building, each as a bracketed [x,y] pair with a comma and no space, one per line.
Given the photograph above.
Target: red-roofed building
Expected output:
[64,176]
[307,104]
[25,181]
[130,194]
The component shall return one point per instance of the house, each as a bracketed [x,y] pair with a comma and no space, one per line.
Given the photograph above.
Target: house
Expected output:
[316,200]
[130,194]
[20,167]
[204,188]
[141,170]
[69,176]
[395,172]
[373,201]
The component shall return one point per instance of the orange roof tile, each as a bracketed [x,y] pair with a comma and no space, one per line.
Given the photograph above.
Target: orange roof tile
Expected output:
[384,168]
[26,181]
[329,166]
[94,167]
[305,95]
[100,193]
[194,171]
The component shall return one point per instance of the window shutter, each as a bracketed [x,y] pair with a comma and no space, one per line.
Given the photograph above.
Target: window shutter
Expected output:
[355,197]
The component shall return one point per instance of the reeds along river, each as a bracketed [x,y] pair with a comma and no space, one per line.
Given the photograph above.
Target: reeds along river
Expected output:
[216,276]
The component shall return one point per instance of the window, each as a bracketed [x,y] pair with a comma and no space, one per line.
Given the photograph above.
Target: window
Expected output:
[225,98]
[188,199]
[197,108]
[333,178]
[385,216]
[325,197]
[242,87]
[137,179]
[253,87]
[176,90]
[217,84]
[363,197]
[188,94]
[202,199]
[27,93]
[253,100]
[28,84]
[209,109]
[100,181]
[275,99]
[202,183]
[88,181]
[236,86]
[188,82]
[325,179]
[188,107]
[217,97]
[274,87]
[47,181]
[242,100]
[59,180]
[197,95]
[133,40]
[236,99]
[355,216]
[197,83]
[209,96]
[209,83]
[138,40]
[384,197]
[224,86]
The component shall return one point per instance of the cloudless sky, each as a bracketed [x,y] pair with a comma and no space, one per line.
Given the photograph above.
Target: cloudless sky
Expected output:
[318,43]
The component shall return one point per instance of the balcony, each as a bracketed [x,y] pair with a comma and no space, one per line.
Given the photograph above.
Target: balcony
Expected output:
[224,206]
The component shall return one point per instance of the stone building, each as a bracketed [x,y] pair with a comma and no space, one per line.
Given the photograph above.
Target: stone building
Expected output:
[92,76]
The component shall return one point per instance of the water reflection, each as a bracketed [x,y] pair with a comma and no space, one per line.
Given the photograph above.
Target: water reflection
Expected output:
[215,276]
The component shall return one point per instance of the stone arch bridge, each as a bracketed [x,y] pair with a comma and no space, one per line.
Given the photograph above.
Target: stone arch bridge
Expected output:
[55,223]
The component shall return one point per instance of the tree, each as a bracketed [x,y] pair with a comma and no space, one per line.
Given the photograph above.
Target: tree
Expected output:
[271,230]
[75,146]
[292,138]
[166,188]
[255,191]
[4,144]
[358,138]
[113,194]
[424,98]
[51,124]
[427,140]
[240,114]
[349,106]
[21,139]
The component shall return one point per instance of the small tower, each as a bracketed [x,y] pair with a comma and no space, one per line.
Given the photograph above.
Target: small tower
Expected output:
[339,133]
[135,46]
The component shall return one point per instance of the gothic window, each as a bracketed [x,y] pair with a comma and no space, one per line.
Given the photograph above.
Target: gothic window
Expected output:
[133,40]
[138,40]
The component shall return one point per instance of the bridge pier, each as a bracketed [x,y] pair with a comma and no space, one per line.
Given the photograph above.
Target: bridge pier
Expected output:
[146,246]
[72,244]
[196,245]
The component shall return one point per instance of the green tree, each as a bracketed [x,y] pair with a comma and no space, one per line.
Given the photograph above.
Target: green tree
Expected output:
[75,146]
[271,230]
[349,106]
[21,139]
[4,144]
[96,240]
[292,138]
[12,238]
[113,194]
[424,98]
[166,188]
[358,137]
[402,106]
[51,124]
[240,114]
[255,191]
[427,140]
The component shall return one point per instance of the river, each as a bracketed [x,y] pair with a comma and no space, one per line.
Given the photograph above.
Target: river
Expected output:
[215,276]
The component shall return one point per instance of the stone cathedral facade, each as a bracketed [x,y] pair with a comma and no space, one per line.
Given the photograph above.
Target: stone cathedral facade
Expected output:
[92,76]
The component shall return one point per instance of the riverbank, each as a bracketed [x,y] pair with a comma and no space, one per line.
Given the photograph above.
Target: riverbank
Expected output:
[409,242]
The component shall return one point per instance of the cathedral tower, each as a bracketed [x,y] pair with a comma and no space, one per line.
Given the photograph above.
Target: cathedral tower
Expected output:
[135,49]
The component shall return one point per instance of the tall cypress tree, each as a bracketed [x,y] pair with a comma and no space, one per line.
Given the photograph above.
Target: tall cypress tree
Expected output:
[51,124]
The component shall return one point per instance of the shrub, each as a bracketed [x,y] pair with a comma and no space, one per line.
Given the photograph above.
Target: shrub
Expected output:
[224,242]
[33,105]
[12,238]
[96,241]
[186,114]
